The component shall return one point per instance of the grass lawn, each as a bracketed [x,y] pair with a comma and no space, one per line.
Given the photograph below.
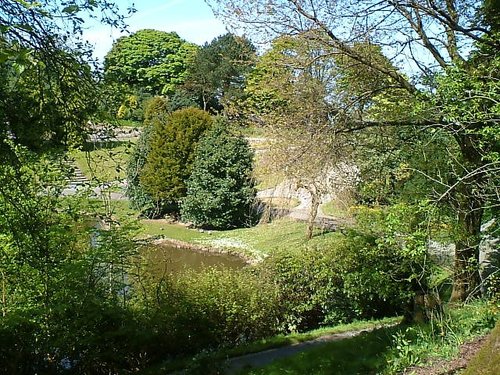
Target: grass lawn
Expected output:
[104,162]
[255,242]
[337,209]
[362,354]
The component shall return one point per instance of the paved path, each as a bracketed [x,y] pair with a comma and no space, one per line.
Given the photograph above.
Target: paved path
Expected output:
[301,212]
[261,359]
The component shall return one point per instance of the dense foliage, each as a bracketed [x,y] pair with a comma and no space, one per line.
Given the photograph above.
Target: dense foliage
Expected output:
[152,60]
[442,81]
[217,73]
[220,191]
[169,161]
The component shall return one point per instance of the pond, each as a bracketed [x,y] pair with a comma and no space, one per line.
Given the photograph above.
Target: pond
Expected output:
[166,258]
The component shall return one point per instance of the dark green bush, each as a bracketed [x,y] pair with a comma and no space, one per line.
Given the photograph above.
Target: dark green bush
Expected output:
[169,161]
[156,109]
[220,191]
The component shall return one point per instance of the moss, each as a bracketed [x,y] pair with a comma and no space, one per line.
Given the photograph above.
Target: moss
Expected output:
[487,360]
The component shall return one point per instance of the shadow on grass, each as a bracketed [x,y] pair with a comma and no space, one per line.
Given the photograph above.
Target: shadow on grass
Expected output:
[107,145]
[363,354]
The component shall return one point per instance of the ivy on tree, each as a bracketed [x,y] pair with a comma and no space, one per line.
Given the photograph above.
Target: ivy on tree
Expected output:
[221,190]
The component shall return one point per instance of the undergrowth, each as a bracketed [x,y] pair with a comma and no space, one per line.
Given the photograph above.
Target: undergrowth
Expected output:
[391,350]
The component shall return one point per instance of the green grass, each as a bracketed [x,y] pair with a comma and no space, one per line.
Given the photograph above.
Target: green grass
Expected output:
[264,239]
[104,162]
[129,123]
[362,354]
[390,350]
[266,344]
[296,338]
[487,360]
[336,209]
[255,242]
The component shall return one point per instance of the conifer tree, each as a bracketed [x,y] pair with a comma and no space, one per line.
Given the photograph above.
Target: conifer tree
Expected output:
[221,190]
[169,161]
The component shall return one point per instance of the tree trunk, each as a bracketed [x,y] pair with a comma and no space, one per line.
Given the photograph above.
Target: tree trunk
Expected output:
[312,214]
[469,204]
[466,269]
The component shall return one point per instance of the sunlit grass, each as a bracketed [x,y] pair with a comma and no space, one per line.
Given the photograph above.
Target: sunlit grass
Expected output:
[390,350]
[104,162]
[269,343]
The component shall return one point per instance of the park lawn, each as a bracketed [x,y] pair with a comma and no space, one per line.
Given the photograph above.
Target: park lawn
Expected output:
[336,209]
[104,162]
[254,242]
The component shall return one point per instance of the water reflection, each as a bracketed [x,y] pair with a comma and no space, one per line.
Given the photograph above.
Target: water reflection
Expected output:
[169,259]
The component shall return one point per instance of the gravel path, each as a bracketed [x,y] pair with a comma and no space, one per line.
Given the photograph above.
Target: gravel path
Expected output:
[301,212]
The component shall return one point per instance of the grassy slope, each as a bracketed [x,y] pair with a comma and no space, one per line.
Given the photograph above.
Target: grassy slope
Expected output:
[390,350]
[487,361]
[266,344]
[106,162]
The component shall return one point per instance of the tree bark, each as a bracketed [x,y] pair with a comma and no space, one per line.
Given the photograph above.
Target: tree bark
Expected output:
[470,206]
[315,199]
[466,271]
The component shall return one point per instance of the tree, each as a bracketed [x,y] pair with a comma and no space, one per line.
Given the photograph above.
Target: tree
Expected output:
[220,190]
[156,110]
[47,88]
[217,72]
[169,161]
[52,289]
[153,60]
[287,93]
[434,37]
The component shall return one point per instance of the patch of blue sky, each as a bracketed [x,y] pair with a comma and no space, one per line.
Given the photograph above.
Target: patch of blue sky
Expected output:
[193,20]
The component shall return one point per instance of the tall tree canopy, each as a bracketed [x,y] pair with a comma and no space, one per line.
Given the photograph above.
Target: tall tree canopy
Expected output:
[46,84]
[429,45]
[152,60]
[217,73]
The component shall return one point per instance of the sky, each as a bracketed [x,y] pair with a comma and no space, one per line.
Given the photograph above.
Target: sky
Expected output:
[193,20]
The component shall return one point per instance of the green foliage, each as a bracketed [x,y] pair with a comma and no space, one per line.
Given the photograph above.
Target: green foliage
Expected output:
[47,88]
[220,190]
[43,115]
[169,161]
[217,72]
[152,60]
[440,337]
[389,350]
[156,110]
[62,280]
[375,269]
[192,311]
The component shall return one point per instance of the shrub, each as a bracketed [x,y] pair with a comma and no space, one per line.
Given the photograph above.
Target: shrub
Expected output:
[169,161]
[221,190]
[194,311]
[370,271]
[156,110]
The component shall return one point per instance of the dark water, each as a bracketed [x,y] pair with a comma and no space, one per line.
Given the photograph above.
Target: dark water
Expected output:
[169,259]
